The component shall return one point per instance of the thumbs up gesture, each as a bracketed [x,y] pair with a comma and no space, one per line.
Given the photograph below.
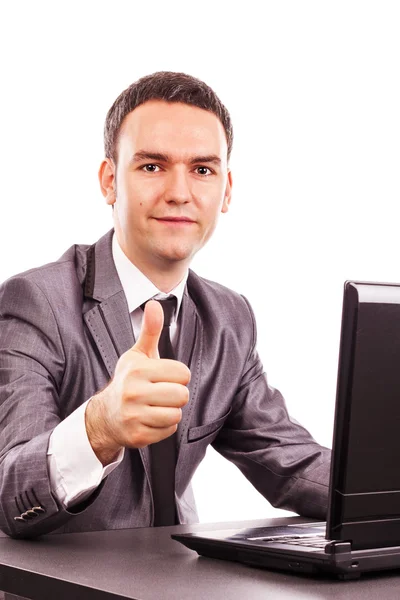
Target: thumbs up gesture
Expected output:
[143,402]
[153,321]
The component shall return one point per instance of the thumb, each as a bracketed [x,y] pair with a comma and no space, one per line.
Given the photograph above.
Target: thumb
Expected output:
[152,324]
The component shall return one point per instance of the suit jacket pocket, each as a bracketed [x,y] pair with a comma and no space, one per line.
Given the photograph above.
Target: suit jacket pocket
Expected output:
[203,431]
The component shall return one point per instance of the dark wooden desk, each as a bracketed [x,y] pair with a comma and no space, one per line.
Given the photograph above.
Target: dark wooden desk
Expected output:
[145,564]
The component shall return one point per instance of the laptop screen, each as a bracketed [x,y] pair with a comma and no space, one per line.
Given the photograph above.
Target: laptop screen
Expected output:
[365,472]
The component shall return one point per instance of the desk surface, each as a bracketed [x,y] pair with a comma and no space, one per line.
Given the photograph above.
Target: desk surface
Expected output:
[145,564]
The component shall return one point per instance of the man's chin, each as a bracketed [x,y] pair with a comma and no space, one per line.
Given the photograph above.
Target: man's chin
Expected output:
[174,255]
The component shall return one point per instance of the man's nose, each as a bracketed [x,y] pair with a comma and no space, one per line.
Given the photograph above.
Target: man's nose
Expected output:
[177,187]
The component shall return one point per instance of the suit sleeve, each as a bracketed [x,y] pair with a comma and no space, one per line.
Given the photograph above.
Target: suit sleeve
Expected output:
[31,372]
[275,453]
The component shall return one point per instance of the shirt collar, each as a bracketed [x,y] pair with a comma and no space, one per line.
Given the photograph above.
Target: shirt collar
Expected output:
[137,287]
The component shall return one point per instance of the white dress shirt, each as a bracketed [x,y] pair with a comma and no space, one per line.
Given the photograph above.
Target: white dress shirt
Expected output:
[75,471]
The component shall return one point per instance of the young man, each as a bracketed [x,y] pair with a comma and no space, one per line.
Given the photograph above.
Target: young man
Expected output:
[106,414]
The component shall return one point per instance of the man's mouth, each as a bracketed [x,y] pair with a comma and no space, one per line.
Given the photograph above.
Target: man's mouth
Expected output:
[173,220]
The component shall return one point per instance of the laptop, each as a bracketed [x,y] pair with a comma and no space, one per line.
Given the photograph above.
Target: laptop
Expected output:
[362,532]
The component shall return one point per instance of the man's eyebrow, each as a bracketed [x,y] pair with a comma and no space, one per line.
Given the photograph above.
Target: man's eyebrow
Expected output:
[146,155]
[210,158]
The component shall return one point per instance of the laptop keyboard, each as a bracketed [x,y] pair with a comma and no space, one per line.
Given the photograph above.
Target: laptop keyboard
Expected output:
[313,541]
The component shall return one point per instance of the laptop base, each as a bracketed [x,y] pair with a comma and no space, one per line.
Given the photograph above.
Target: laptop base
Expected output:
[336,559]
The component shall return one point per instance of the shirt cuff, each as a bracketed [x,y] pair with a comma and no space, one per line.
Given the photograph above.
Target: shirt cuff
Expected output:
[75,470]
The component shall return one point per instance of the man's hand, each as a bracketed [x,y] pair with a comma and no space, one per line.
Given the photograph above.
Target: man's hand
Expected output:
[142,403]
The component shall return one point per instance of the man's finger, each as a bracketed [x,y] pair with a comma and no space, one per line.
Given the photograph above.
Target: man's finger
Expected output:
[161,416]
[153,321]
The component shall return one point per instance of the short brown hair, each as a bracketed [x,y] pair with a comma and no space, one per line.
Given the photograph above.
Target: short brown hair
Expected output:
[170,87]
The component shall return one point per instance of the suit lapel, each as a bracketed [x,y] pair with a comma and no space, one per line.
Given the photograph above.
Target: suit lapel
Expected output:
[111,328]
[108,320]
[189,351]
[187,330]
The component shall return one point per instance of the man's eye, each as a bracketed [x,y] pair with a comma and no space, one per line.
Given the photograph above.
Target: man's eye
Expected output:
[150,168]
[202,170]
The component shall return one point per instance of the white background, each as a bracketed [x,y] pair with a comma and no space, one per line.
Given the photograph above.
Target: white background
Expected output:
[313,90]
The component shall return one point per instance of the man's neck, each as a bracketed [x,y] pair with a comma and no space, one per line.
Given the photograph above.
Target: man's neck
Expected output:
[166,280]
[164,275]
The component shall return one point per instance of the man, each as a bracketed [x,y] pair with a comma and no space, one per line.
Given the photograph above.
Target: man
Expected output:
[106,414]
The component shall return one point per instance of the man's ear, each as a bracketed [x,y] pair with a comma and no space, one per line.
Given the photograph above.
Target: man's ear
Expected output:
[228,193]
[107,180]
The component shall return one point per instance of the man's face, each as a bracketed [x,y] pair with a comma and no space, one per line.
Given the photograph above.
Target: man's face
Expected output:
[172,164]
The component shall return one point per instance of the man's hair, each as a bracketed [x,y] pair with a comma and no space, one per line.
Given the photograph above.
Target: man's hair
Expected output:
[170,87]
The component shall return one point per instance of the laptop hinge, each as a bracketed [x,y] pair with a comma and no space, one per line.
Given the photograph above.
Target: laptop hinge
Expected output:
[338,547]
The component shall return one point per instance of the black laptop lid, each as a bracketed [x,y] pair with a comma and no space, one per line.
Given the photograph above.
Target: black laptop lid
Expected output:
[365,473]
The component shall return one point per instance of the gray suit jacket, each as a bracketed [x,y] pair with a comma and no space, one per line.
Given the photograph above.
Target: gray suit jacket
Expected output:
[63,327]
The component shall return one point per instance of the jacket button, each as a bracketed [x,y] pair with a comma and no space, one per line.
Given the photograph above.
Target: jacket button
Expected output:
[26,516]
[19,519]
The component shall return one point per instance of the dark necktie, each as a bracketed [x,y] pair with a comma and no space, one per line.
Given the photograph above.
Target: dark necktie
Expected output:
[163,453]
